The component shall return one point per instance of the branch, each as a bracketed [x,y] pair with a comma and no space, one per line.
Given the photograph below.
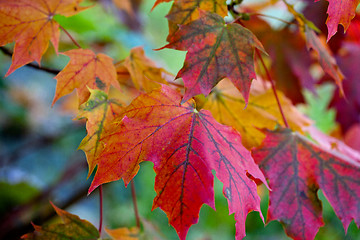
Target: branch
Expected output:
[71,38]
[272,86]
[32,65]
[133,193]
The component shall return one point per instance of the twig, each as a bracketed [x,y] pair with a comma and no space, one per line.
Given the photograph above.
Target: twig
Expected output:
[69,35]
[101,209]
[36,66]
[133,193]
[272,86]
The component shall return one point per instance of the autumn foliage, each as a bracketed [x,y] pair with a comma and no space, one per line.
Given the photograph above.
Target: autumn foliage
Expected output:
[228,113]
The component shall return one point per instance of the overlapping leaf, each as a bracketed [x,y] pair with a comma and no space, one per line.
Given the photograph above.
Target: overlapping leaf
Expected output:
[340,12]
[262,111]
[185,146]
[31,25]
[72,228]
[144,73]
[85,69]
[296,169]
[325,57]
[290,60]
[185,11]
[215,50]
[100,112]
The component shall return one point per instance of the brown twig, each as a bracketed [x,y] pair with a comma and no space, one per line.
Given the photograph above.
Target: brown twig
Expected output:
[133,193]
[32,65]
[272,86]
[101,209]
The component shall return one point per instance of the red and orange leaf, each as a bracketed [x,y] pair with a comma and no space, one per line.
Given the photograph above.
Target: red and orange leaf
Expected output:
[144,73]
[325,57]
[296,169]
[183,12]
[85,69]
[185,146]
[31,25]
[100,112]
[215,50]
[72,228]
[340,12]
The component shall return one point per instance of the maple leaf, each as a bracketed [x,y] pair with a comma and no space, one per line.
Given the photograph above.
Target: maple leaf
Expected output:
[340,12]
[296,169]
[85,69]
[215,50]
[185,11]
[31,25]
[185,146]
[325,57]
[72,228]
[262,111]
[143,71]
[100,112]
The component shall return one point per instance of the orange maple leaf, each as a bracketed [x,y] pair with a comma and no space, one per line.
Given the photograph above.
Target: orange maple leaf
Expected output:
[31,24]
[144,73]
[85,69]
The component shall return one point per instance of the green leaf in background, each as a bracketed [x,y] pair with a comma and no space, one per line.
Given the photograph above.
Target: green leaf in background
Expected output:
[316,107]
[72,228]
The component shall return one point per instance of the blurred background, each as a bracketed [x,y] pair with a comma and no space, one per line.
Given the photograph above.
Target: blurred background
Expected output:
[39,160]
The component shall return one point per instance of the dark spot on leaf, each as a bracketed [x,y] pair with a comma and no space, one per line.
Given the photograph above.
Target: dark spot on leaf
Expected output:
[100,84]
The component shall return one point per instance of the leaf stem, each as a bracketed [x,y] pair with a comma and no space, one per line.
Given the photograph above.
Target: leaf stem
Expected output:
[69,35]
[101,209]
[272,86]
[133,193]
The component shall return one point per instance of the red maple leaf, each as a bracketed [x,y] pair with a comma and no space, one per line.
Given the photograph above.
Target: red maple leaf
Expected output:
[215,50]
[185,146]
[296,169]
[340,12]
